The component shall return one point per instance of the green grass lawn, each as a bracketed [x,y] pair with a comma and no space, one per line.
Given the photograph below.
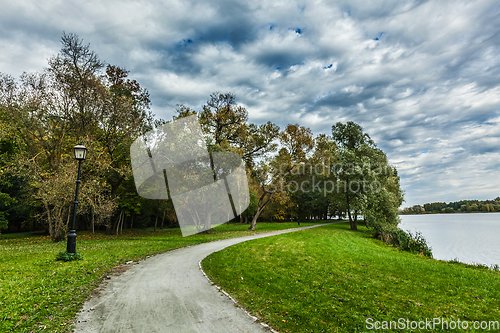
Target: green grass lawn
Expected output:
[330,279]
[38,293]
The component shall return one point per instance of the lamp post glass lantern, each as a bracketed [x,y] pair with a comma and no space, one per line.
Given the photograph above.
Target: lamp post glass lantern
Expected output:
[80,154]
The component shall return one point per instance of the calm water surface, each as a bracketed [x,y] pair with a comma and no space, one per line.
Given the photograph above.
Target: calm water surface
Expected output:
[472,238]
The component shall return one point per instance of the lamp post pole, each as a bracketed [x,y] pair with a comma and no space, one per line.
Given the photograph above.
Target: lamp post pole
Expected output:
[80,153]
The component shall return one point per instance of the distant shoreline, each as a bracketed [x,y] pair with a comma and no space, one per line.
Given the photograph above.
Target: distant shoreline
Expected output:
[434,213]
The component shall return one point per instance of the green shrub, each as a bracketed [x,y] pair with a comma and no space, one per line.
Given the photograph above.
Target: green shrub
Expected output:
[403,240]
[66,256]
[414,243]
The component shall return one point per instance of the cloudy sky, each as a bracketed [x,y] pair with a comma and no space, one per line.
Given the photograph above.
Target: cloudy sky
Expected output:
[421,77]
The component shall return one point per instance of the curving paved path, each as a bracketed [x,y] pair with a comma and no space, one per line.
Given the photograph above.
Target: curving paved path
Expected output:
[168,293]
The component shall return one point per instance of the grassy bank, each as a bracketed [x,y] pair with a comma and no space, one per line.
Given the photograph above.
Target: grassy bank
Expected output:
[38,293]
[330,279]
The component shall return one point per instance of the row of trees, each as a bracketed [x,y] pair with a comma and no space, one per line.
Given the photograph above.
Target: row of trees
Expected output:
[292,174]
[462,206]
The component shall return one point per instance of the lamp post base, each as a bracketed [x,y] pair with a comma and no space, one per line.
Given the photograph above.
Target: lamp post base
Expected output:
[71,247]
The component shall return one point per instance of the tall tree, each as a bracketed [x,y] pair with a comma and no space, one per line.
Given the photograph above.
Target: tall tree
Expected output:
[350,138]
[274,175]
[255,141]
[76,71]
[370,186]
[124,117]
[315,180]
[226,126]
[383,195]
[223,119]
[297,141]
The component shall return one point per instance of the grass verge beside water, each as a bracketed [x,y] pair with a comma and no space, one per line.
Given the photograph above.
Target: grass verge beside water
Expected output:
[38,293]
[330,279]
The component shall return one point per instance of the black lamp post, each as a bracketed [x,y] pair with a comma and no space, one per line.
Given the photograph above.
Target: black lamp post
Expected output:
[80,154]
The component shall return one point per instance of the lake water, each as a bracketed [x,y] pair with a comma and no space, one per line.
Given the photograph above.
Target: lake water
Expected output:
[472,238]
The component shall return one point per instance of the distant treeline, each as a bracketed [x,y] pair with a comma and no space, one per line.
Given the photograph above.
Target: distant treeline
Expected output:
[463,206]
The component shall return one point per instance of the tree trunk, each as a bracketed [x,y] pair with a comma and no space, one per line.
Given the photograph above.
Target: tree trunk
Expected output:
[156,221]
[110,226]
[93,218]
[49,219]
[349,212]
[117,223]
[162,220]
[120,219]
[353,225]
[260,209]
[354,222]
[254,220]
[298,215]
